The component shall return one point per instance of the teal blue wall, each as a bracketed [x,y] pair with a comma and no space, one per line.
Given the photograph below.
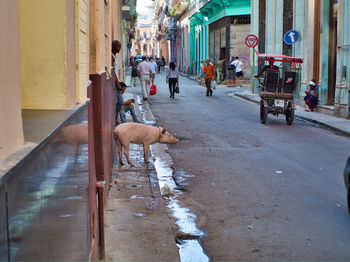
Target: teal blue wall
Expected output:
[200,37]
[325,42]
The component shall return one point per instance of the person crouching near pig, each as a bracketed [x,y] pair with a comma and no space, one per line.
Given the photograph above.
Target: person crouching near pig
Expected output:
[209,71]
[172,77]
[127,107]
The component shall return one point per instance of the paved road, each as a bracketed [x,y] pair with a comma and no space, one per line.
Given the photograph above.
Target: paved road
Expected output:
[262,192]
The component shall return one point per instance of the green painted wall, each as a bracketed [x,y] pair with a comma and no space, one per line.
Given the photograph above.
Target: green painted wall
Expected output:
[199,30]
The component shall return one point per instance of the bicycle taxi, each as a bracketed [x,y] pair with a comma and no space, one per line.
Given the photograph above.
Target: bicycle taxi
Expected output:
[277,91]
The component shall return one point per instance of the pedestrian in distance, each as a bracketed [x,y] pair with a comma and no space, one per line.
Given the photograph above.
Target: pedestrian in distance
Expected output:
[144,72]
[231,73]
[209,70]
[154,68]
[201,73]
[158,64]
[172,77]
[163,63]
[311,98]
[116,46]
[239,70]
[134,75]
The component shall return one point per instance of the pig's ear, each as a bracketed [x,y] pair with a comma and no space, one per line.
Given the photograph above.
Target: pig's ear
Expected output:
[164,130]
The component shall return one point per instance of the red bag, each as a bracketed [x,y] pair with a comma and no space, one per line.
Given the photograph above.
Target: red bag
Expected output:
[153,90]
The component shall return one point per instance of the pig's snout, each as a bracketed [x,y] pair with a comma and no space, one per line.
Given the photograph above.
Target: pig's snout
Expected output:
[174,140]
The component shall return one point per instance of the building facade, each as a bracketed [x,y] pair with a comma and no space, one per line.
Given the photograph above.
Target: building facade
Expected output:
[179,11]
[160,46]
[323,43]
[51,47]
[218,31]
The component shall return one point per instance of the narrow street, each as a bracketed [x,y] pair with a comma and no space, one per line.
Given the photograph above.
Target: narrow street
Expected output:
[261,192]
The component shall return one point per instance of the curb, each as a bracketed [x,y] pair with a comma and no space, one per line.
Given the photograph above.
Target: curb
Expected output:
[322,124]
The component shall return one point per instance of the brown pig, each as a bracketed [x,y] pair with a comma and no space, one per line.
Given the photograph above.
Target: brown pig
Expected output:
[137,133]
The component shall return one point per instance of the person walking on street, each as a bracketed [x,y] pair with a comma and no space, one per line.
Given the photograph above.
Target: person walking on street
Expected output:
[209,71]
[158,64]
[172,77]
[144,71]
[154,68]
[201,73]
[239,70]
[134,75]
[162,62]
[116,46]
[231,73]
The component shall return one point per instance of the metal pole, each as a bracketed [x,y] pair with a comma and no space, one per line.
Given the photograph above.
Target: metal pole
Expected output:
[253,70]
[172,46]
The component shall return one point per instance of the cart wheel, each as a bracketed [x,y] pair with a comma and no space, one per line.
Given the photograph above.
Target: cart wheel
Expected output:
[289,114]
[263,112]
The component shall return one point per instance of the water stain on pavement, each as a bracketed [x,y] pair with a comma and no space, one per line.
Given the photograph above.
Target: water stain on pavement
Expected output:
[189,236]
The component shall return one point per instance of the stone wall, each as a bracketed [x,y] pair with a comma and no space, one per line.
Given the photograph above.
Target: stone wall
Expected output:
[238,46]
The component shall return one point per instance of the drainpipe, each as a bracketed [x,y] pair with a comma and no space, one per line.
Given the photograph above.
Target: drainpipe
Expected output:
[316,51]
[228,36]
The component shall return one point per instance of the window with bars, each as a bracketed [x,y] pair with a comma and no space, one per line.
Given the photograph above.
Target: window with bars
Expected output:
[240,19]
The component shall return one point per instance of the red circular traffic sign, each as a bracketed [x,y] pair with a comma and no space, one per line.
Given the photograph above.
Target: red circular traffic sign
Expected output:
[251,41]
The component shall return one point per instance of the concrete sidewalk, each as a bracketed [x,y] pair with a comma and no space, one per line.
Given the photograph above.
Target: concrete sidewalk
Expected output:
[338,124]
[137,225]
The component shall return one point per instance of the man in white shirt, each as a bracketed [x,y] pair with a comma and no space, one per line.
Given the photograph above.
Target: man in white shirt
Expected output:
[154,68]
[144,71]
[239,70]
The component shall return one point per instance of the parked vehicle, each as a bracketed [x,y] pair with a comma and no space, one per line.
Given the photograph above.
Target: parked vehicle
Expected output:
[276,93]
[347,181]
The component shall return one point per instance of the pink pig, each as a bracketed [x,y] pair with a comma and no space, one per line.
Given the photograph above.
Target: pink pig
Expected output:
[137,133]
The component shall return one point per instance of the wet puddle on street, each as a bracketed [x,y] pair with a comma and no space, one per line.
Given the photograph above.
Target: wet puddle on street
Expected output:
[190,247]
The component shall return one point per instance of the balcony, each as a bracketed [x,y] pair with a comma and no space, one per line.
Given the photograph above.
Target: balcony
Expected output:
[202,3]
[193,8]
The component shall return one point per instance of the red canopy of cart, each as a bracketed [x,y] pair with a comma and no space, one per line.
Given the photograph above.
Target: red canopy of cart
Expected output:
[280,58]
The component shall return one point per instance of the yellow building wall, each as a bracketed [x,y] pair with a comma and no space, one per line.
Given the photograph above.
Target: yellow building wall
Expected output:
[43,43]
[11,131]
[82,48]
[117,34]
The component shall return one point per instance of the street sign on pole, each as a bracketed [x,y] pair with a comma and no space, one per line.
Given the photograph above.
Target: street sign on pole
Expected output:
[251,41]
[291,37]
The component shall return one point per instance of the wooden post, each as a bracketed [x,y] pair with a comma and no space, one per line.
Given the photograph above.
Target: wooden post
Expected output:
[316,51]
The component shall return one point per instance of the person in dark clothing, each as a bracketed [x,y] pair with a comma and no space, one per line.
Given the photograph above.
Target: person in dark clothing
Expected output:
[134,75]
[158,64]
[269,66]
[172,78]
[163,62]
